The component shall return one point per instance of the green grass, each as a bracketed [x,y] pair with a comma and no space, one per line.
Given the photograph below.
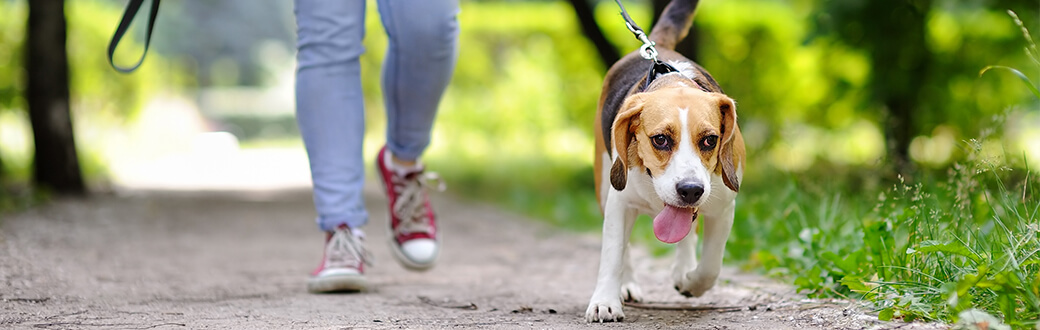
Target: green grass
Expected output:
[934,252]
[928,249]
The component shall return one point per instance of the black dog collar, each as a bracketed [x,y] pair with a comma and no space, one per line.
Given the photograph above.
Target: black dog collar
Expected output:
[660,68]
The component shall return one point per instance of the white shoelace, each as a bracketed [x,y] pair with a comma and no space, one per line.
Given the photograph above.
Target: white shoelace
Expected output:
[345,250]
[410,204]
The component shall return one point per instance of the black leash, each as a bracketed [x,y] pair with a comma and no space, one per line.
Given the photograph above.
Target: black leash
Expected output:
[647,51]
[131,10]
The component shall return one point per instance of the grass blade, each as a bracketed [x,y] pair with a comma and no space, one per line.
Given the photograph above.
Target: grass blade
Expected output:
[1022,76]
[950,248]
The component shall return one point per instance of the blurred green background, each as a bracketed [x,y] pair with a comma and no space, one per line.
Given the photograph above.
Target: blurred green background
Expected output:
[843,104]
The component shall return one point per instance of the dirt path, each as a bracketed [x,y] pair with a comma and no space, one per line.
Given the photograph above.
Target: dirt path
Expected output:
[149,260]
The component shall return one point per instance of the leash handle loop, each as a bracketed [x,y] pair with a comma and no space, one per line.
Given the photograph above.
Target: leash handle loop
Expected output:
[131,10]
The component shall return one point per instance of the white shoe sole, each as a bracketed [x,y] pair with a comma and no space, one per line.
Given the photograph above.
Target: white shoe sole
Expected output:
[408,262]
[337,283]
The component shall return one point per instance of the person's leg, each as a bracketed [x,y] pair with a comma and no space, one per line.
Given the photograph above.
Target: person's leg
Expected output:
[330,106]
[330,113]
[419,62]
[420,59]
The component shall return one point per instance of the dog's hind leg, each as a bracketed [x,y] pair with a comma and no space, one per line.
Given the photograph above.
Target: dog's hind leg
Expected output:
[716,230]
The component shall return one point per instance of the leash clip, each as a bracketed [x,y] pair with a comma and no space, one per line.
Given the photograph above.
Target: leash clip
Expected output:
[647,50]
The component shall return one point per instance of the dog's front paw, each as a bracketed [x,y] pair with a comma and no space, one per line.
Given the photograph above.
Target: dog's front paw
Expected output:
[695,283]
[679,271]
[630,292]
[604,311]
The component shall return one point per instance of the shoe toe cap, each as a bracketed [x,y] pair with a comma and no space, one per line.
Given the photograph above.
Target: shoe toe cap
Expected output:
[422,251]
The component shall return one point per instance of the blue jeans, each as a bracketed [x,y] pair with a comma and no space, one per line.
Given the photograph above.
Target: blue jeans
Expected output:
[423,47]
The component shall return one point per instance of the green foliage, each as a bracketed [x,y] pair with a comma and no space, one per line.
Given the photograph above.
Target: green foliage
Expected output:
[99,90]
[950,246]
[786,74]
[12,31]
[516,123]
[11,80]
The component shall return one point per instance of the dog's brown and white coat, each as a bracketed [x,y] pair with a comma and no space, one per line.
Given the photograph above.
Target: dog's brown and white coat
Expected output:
[675,151]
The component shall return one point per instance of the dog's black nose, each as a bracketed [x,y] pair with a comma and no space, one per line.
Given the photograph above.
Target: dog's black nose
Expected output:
[689,192]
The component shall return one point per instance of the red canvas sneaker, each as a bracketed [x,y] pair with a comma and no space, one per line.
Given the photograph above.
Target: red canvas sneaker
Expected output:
[342,266]
[413,225]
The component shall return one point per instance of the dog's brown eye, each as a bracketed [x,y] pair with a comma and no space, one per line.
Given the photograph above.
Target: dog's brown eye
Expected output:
[661,142]
[708,142]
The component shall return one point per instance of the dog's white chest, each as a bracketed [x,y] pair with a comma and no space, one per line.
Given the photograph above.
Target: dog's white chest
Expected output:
[641,194]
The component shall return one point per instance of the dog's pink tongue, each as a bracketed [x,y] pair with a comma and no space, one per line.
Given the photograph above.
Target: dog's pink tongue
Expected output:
[673,224]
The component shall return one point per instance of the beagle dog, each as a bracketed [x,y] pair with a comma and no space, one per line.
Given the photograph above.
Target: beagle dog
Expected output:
[674,151]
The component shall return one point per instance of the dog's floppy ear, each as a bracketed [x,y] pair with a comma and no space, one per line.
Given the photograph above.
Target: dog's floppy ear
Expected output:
[728,110]
[622,136]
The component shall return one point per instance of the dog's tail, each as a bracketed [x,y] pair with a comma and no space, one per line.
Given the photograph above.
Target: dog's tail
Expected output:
[674,23]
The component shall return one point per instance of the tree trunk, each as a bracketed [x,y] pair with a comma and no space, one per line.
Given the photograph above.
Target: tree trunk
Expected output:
[55,165]
[899,131]
[900,63]
[586,18]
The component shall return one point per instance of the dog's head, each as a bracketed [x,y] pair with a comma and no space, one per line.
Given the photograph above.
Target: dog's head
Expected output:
[680,136]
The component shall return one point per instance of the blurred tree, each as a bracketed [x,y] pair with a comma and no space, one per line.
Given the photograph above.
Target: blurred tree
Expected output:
[893,33]
[55,165]
[912,78]
[585,11]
